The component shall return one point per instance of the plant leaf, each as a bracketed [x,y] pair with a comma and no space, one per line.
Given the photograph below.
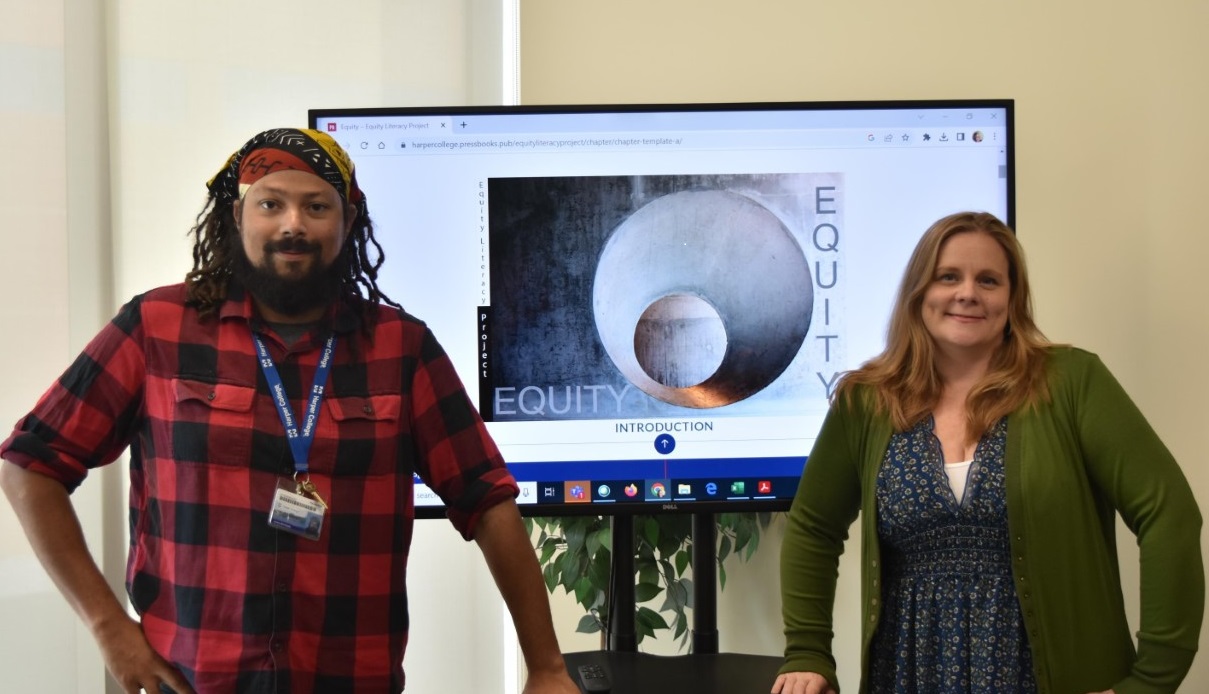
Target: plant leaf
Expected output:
[752,545]
[646,591]
[670,544]
[548,549]
[665,566]
[650,531]
[677,595]
[646,617]
[643,631]
[743,535]
[585,593]
[577,532]
[570,567]
[681,628]
[723,549]
[593,543]
[648,573]
[599,568]
[605,534]
[588,624]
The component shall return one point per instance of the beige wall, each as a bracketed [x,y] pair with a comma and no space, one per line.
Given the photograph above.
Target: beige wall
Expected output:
[1111,174]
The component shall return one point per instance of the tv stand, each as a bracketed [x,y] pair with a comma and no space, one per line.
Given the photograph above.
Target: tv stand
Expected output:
[705,584]
[703,670]
[622,634]
[621,631]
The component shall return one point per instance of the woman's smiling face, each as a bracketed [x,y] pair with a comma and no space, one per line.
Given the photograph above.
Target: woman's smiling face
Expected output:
[965,307]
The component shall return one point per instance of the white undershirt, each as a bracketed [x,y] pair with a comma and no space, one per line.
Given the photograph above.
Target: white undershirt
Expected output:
[958,472]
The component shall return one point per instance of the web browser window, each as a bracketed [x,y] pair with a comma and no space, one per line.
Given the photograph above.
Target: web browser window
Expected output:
[650,305]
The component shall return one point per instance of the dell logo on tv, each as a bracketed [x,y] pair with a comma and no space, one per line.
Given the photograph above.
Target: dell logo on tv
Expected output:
[670,507]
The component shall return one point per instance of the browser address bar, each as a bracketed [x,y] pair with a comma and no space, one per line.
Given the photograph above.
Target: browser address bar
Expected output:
[409,145]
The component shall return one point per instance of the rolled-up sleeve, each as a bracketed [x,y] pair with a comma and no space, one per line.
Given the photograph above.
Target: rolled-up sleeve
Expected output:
[90,414]
[457,457]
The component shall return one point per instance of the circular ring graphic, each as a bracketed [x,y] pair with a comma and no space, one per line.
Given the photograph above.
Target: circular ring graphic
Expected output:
[695,273]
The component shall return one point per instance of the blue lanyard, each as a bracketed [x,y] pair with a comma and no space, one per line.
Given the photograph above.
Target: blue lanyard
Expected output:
[300,440]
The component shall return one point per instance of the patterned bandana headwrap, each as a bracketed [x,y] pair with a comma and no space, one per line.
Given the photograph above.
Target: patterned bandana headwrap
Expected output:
[285,149]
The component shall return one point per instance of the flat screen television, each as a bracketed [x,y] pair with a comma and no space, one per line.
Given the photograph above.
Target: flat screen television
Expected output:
[650,304]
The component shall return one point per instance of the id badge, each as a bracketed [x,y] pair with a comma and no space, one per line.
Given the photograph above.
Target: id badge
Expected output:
[297,514]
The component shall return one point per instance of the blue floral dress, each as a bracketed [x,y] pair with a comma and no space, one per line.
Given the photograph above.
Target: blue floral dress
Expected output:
[950,618]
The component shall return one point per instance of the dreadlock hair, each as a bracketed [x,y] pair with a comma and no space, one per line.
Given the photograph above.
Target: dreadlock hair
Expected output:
[903,380]
[215,235]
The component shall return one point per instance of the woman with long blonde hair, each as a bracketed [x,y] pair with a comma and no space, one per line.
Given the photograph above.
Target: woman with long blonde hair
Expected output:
[987,466]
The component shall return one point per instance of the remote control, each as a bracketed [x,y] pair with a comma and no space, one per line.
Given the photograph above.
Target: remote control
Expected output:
[594,679]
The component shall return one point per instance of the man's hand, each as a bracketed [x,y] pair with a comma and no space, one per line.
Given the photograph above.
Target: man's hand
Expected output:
[802,683]
[550,683]
[132,662]
[53,529]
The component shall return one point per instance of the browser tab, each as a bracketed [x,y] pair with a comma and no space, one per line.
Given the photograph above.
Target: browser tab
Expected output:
[392,125]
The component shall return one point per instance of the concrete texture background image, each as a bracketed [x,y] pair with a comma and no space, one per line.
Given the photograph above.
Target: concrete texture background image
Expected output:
[654,296]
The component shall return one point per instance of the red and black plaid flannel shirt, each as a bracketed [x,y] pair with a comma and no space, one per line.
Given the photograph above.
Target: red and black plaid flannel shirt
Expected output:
[235,604]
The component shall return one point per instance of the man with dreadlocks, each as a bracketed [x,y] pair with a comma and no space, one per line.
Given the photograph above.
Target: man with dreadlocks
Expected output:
[276,405]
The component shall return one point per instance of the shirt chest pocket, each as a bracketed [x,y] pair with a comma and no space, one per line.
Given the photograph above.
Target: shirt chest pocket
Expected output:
[211,422]
[360,436]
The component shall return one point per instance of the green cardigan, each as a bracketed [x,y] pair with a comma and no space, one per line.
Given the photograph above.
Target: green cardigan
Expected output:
[1071,463]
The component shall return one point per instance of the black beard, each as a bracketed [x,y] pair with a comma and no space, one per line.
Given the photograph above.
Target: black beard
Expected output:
[289,296]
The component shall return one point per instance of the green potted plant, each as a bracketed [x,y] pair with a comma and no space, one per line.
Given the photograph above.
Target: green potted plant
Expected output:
[576,552]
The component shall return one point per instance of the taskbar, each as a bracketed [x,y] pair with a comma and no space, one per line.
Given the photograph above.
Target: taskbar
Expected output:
[638,491]
[616,491]
[693,482]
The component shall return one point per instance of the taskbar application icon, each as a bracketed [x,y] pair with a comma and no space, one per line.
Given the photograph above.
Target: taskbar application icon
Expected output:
[658,490]
[578,491]
[550,492]
[686,490]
